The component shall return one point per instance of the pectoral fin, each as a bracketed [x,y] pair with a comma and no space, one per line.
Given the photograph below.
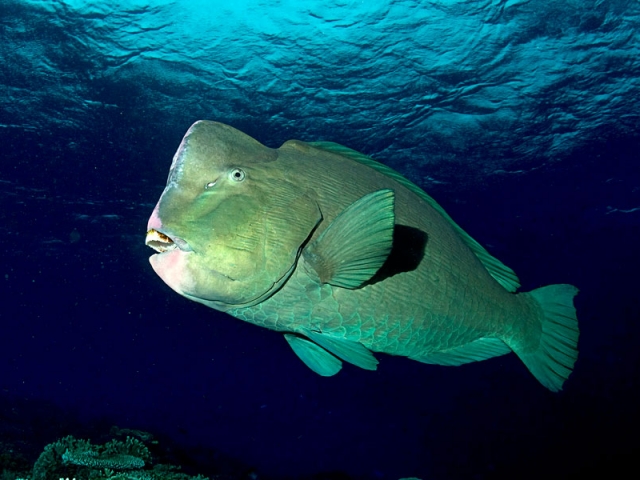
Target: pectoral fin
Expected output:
[356,243]
[502,274]
[314,356]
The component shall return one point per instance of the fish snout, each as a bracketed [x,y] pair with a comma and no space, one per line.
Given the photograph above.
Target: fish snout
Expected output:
[162,242]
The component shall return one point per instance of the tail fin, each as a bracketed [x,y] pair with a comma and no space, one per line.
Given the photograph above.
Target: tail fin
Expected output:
[552,362]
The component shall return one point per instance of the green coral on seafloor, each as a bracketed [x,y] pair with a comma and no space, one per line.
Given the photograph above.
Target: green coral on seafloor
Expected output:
[116,460]
[115,455]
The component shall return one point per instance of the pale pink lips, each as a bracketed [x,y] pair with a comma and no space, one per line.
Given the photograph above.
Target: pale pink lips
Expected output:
[162,242]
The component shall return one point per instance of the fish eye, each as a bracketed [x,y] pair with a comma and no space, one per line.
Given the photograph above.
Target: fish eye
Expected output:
[237,175]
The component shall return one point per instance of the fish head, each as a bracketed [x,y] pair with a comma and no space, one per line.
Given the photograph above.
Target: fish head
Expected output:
[232,220]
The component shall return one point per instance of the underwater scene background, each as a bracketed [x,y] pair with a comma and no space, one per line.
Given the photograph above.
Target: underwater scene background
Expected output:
[520,117]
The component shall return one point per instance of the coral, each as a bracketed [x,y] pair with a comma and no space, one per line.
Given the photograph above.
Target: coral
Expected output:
[94,460]
[50,460]
[69,455]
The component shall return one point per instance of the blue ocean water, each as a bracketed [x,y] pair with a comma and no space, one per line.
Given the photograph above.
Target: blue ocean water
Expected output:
[519,116]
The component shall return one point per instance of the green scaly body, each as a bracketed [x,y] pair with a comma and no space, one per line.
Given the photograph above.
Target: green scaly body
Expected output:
[345,257]
[448,301]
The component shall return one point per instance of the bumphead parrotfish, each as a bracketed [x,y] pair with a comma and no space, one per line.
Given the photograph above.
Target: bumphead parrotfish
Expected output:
[346,257]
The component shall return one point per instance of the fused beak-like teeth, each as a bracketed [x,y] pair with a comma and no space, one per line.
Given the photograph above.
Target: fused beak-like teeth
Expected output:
[159,241]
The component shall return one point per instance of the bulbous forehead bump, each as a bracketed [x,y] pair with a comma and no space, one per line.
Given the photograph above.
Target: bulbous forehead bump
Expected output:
[211,145]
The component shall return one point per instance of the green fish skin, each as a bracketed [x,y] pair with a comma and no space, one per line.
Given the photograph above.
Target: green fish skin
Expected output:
[346,257]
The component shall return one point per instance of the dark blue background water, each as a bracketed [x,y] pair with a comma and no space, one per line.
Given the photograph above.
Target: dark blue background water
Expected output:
[520,118]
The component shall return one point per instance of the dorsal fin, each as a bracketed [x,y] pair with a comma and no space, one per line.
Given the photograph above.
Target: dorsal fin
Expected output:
[498,270]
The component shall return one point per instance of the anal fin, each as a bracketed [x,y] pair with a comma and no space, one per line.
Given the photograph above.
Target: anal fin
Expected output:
[481,349]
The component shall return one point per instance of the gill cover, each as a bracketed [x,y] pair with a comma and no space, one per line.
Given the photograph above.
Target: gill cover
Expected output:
[239,219]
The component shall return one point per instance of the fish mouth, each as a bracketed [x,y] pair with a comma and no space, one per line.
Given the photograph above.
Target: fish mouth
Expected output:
[162,242]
